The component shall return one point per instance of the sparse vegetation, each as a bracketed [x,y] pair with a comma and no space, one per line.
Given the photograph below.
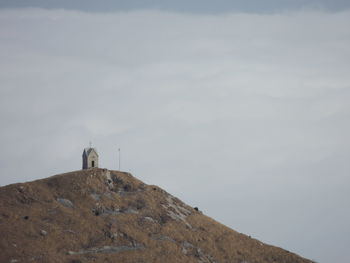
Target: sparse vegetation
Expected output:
[87,216]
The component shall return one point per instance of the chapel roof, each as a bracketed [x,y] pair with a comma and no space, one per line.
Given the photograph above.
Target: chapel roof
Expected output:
[88,150]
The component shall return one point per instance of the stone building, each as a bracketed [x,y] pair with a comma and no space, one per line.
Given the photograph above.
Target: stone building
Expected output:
[90,158]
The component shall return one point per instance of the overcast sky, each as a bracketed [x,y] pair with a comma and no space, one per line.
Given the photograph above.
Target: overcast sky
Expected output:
[241,110]
[191,6]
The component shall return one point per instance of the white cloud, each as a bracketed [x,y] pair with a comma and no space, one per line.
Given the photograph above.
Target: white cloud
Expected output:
[249,111]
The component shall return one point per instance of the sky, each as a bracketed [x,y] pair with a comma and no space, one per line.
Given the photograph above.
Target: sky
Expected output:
[237,108]
[189,6]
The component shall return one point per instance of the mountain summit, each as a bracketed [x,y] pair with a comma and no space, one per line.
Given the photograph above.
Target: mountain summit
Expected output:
[98,215]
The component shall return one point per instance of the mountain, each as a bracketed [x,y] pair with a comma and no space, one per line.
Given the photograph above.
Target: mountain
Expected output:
[98,215]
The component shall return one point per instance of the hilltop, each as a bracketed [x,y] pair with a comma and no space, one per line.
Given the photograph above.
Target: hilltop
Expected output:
[98,215]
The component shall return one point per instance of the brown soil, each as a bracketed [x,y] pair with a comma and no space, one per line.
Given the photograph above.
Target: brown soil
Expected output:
[97,215]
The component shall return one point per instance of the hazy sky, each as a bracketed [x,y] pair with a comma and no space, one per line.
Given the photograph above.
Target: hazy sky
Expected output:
[241,110]
[192,6]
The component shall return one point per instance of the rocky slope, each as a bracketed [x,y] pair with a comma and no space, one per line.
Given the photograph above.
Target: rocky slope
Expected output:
[98,215]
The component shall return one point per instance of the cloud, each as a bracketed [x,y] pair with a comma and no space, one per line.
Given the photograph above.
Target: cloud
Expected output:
[190,6]
[242,110]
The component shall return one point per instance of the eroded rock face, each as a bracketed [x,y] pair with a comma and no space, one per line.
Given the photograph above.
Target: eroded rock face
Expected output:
[97,215]
[176,210]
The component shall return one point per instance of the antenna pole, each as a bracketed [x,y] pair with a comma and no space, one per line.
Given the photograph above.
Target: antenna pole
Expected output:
[119,157]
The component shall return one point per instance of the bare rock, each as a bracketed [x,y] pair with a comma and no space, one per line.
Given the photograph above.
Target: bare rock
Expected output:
[65,202]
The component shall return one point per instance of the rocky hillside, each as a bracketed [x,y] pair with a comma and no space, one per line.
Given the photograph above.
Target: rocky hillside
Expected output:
[98,215]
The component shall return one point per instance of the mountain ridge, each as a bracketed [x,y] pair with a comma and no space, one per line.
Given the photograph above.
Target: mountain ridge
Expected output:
[100,215]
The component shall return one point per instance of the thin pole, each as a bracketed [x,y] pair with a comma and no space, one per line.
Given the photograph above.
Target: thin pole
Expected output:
[119,157]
